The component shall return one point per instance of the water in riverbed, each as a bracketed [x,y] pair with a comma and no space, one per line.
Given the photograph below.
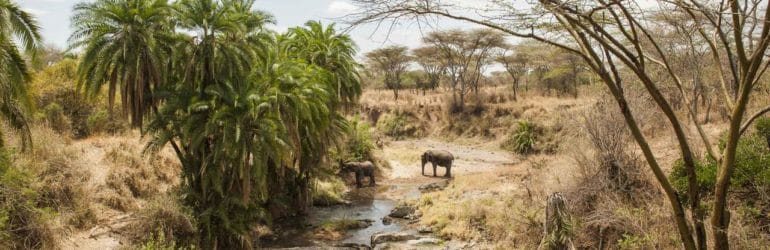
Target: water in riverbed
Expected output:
[366,203]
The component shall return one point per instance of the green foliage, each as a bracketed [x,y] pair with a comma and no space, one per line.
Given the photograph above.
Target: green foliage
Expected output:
[64,108]
[705,171]
[124,45]
[523,139]
[751,172]
[397,125]
[55,117]
[160,242]
[100,121]
[328,192]
[630,241]
[23,223]
[19,33]
[762,125]
[261,107]
[359,144]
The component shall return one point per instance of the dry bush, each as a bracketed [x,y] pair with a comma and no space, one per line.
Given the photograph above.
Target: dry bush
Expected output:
[116,201]
[29,207]
[615,199]
[60,182]
[164,215]
[133,174]
[503,219]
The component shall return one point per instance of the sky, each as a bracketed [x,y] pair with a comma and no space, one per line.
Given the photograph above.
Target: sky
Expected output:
[54,15]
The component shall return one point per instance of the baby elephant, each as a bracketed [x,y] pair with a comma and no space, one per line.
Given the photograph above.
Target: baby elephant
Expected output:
[362,169]
[438,158]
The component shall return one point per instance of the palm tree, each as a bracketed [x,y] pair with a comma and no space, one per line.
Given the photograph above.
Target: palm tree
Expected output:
[252,137]
[124,47]
[335,52]
[323,47]
[17,29]
[225,36]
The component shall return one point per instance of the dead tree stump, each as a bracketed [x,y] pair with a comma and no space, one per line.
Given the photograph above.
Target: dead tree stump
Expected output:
[558,228]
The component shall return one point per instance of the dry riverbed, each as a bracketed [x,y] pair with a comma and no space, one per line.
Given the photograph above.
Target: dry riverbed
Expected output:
[386,216]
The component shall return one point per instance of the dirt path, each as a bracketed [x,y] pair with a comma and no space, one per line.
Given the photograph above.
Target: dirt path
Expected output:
[404,158]
[104,234]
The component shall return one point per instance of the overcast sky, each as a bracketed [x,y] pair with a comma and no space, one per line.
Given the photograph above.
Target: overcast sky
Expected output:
[54,15]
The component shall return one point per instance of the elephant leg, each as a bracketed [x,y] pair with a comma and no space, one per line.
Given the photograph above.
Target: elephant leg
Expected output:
[371,180]
[434,169]
[358,180]
[423,168]
[449,170]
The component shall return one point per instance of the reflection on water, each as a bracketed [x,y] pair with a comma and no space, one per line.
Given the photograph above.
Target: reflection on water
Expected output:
[373,210]
[366,203]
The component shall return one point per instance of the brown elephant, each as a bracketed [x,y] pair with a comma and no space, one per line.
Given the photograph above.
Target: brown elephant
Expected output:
[438,158]
[361,169]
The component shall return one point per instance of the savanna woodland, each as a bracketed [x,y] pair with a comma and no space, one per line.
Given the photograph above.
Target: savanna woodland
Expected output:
[543,124]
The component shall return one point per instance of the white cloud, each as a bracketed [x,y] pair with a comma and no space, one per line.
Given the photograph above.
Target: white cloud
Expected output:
[338,7]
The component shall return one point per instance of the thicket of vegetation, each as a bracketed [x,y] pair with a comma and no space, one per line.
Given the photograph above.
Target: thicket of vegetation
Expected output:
[229,97]
[249,112]
[257,118]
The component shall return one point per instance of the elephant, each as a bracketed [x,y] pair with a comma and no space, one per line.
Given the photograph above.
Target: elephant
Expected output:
[361,169]
[438,158]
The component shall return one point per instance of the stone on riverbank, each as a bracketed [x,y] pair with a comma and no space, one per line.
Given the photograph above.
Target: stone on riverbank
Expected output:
[436,186]
[402,211]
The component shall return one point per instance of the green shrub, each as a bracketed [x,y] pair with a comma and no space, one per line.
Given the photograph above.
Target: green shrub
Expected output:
[630,241]
[359,143]
[54,115]
[72,105]
[98,121]
[523,139]
[159,242]
[705,171]
[751,172]
[763,128]
[396,125]
[328,192]
[24,224]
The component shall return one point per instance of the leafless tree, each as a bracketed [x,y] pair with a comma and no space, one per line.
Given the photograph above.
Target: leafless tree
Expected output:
[610,36]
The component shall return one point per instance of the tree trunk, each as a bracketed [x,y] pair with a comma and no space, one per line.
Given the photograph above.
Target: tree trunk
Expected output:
[515,87]
[395,93]
[720,219]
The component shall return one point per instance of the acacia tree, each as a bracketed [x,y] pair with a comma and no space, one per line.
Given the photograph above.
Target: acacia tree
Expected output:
[431,66]
[516,64]
[391,62]
[607,35]
[465,55]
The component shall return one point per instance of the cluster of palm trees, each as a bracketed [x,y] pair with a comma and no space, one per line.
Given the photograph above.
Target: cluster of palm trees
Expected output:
[249,112]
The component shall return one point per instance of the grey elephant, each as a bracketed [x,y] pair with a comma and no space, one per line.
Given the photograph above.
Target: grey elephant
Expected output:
[438,158]
[361,169]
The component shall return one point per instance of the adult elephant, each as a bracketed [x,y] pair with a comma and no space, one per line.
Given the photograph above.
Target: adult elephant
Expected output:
[438,158]
[361,169]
